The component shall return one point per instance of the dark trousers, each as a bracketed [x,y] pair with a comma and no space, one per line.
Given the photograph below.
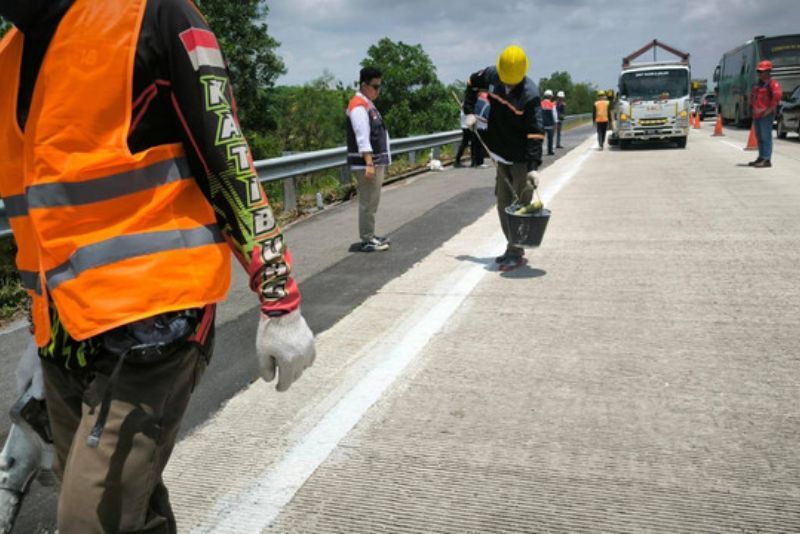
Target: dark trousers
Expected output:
[117,487]
[601,133]
[477,151]
[549,130]
[466,141]
[558,134]
[511,183]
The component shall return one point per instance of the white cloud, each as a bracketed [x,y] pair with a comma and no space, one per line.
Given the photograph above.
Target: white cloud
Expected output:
[585,38]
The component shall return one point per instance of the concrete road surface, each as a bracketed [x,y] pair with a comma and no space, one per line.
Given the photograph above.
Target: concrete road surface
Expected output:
[640,374]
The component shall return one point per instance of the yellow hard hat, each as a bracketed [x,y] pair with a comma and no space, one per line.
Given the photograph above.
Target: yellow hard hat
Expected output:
[512,65]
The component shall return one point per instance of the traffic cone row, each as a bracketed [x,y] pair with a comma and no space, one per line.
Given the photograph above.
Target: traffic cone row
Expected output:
[718,127]
[752,143]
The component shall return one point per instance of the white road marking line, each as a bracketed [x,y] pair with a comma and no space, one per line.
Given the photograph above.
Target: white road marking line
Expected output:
[258,505]
[737,147]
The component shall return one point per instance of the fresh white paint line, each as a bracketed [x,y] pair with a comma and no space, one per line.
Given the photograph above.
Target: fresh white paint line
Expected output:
[256,506]
[737,147]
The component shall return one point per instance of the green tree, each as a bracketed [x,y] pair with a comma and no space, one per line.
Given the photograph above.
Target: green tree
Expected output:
[580,96]
[312,116]
[250,51]
[413,100]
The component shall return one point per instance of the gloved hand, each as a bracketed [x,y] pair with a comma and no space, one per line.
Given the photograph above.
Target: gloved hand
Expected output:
[470,121]
[533,179]
[29,372]
[285,343]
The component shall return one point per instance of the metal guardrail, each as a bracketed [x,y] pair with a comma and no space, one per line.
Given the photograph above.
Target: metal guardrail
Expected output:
[275,169]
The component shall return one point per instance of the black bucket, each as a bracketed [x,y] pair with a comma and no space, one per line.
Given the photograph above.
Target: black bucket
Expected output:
[526,230]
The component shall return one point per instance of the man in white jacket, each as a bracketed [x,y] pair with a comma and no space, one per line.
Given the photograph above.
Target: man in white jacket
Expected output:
[368,154]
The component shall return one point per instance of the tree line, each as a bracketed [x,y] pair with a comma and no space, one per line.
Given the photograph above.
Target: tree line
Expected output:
[284,119]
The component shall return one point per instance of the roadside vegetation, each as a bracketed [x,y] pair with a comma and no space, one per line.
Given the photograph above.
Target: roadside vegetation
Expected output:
[279,120]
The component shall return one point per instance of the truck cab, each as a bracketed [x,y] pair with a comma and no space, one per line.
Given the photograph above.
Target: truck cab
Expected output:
[654,101]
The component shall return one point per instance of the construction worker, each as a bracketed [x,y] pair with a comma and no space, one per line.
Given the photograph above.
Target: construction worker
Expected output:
[600,117]
[561,112]
[128,183]
[765,98]
[467,137]
[369,155]
[514,135]
[549,119]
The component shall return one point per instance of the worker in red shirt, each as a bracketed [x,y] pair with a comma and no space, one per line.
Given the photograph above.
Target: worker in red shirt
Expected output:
[765,97]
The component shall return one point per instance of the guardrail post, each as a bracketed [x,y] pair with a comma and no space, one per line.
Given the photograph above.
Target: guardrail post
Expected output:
[412,157]
[290,194]
[437,151]
[344,174]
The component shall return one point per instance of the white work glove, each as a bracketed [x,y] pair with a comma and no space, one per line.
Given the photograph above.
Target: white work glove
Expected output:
[470,121]
[29,372]
[285,343]
[533,179]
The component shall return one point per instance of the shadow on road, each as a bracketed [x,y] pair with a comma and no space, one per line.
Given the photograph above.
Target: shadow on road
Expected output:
[525,271]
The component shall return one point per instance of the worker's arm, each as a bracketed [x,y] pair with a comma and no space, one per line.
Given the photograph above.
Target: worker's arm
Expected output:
[476,83]
[534,132]
[359,119]
[221,161]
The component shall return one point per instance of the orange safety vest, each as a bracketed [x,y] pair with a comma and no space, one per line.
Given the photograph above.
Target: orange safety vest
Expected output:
[111,237]
[601,111]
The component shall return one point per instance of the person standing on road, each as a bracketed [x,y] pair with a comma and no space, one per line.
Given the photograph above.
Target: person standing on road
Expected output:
[600,117]
[561,112]
[549,119]
[467,140]
[514,134]
[765,98]
[368,154]
[482,110]
[128,183]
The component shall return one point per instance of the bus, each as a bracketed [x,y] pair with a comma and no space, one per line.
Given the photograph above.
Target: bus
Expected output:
[736,73]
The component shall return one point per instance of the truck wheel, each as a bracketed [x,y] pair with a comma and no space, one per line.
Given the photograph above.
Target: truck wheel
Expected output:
[781,130]
[681,142]
[612,141]
[624,144]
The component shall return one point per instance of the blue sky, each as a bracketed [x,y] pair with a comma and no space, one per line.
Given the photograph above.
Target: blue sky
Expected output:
[585,38]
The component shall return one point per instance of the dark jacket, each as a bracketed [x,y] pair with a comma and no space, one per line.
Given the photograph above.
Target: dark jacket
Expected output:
[515,130]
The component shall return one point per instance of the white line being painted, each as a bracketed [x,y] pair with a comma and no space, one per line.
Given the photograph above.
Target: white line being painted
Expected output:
[737,147]
[258,505]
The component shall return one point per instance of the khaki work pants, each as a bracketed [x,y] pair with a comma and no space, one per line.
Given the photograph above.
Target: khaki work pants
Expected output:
[117,486]
[369,196]
[516,176]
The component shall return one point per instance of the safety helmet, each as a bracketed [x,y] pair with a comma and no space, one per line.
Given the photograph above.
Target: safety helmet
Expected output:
[764,65]
[512,65]
[601,93]
[548,93]
[560,94]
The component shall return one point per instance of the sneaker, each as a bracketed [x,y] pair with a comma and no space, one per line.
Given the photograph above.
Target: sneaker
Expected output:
[755,162]
[373,245]
[501,258]
[763,163]
[483,166]
[512,262]
[559,146]
[458,165]
[382,239]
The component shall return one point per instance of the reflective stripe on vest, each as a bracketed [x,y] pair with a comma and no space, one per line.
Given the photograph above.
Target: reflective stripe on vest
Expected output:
[112,237]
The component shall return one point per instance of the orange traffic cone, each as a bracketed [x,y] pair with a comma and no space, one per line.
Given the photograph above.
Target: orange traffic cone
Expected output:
[696,121]
[752,144]
[718,127]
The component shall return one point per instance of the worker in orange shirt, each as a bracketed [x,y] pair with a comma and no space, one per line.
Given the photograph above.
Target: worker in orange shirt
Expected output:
[600,117]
